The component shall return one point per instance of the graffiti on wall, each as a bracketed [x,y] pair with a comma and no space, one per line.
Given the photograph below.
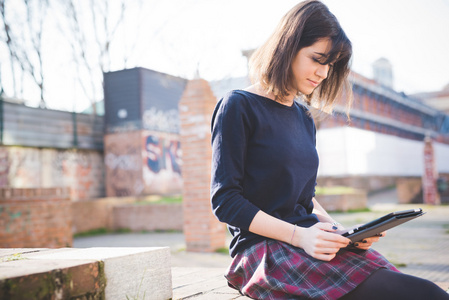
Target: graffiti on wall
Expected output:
[123,165]
[161,120]
[142,163]
[162,161]
[81,171]
[24,167]
[4,167]
[14,220]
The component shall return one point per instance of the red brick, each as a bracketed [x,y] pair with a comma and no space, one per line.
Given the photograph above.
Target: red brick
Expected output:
[200,226]
[31,222]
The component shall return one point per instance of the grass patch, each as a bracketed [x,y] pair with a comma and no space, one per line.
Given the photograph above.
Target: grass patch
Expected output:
[162,231]
[446,226]
[92,232]
[161,200]
[366,209]
[334,190]
[399,265]
[223,250]
[359,210]
[100,231]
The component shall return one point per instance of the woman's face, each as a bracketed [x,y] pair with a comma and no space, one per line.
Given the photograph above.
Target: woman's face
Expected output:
[307,71]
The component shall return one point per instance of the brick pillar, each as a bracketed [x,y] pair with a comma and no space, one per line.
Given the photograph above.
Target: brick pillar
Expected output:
[203,232]
[429,178]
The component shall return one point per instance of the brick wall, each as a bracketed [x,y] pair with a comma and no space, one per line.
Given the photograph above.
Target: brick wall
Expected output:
[81,170]
[123,161]
[95,214]
[35,218]
[409,190]
[148,217]
[367,183]
[343,202]
[203,232]
[142,162]
[123,213]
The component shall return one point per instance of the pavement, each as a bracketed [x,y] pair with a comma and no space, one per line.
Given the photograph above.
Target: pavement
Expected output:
[419,247]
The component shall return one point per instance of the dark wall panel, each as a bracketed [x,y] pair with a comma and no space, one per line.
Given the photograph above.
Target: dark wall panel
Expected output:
[35,127]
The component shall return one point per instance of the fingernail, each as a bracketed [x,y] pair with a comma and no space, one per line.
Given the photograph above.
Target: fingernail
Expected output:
[364,241]
[334,227]
[356,244]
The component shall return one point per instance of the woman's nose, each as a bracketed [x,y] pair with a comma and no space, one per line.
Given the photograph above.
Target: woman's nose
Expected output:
[322,71]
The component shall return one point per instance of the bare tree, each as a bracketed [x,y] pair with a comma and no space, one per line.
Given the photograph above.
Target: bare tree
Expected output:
[23,39]
[90,32]
[9,43]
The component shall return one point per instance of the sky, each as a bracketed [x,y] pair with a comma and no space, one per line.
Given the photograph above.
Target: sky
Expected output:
[206,37]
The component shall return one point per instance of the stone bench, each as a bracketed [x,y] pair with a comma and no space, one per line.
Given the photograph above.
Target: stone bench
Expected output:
[90,273]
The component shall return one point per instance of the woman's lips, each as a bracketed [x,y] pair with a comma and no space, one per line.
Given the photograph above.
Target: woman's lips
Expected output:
[314,83]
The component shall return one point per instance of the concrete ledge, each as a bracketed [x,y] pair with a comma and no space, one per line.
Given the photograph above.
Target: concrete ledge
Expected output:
[94,273]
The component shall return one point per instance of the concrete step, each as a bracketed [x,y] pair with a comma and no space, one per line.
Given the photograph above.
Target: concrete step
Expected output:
[104,273]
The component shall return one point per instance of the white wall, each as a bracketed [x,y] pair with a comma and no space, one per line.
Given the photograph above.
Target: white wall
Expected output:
[347,151]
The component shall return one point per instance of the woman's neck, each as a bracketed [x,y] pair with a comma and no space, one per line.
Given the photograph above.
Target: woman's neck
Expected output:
[258,90]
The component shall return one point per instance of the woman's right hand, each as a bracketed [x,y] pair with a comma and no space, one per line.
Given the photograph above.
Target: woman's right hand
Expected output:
[319,241]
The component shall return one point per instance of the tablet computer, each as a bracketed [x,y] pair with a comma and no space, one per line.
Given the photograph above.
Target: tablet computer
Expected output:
[381,224]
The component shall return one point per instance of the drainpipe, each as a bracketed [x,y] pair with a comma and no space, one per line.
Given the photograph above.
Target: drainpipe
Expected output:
[75,131]
[1,117]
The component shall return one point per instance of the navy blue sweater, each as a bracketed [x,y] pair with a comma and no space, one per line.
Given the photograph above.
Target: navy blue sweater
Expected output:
[263,158]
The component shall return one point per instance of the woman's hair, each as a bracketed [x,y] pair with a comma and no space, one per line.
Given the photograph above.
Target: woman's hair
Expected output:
[302,26]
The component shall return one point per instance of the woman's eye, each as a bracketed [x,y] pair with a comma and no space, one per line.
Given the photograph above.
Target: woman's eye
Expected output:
[318,60]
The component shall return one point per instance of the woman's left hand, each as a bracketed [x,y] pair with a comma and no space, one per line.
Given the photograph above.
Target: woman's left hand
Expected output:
[366,243]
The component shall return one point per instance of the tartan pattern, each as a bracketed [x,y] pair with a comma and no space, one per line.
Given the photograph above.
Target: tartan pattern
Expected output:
[276,270]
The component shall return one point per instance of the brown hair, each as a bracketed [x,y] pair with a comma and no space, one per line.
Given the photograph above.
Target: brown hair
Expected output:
[301,27]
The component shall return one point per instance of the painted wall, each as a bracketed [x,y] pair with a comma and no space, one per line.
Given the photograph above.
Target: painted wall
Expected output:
[79,170]
[143,163]
[347,151]
[162,163]
[123,164]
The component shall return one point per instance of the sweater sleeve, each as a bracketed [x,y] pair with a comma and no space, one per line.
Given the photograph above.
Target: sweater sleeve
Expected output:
[231,124]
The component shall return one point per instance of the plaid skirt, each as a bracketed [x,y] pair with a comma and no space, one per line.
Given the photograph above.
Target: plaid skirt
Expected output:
[276,270]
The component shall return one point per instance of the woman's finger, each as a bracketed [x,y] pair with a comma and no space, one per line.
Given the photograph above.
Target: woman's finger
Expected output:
[371,240]
[363,246]
[325,257]
[328,235]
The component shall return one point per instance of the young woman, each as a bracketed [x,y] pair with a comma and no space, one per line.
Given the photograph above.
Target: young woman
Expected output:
[264,170]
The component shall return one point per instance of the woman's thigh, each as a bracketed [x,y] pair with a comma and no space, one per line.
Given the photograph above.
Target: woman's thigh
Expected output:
[385,284]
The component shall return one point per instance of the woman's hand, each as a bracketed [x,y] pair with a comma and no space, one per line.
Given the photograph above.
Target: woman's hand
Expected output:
[366,243]
[319,241]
